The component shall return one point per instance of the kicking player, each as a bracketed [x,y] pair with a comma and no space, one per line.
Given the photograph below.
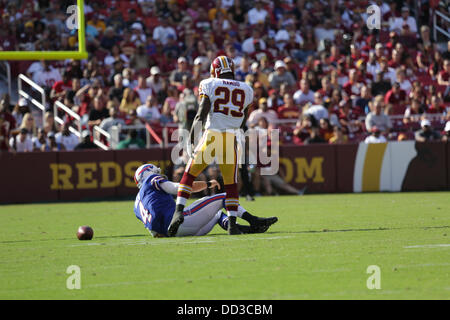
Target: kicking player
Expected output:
[223,105]
[155,206]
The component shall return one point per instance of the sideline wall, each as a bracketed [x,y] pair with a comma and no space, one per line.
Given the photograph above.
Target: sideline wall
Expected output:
[74,176]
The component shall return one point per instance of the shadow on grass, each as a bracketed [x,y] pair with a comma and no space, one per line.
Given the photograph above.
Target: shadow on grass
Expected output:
[223,234]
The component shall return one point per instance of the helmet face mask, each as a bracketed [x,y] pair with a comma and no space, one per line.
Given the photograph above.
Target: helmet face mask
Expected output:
[143,172]
[221,65]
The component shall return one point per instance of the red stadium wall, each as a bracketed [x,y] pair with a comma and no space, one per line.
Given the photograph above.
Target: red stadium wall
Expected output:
[74,176]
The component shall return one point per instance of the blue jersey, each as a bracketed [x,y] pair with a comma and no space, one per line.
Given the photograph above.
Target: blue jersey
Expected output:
[153,206]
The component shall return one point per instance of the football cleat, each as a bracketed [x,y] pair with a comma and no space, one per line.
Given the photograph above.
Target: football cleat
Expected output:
[177,220]
[261,225]
[233,227]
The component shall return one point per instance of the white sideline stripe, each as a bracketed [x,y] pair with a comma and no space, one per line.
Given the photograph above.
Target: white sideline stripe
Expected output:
[429,246]
[177,240]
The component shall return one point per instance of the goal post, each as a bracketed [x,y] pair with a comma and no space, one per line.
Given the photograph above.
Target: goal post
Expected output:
[55,55]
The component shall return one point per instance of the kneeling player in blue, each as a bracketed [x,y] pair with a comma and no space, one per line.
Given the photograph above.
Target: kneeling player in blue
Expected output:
[155,207]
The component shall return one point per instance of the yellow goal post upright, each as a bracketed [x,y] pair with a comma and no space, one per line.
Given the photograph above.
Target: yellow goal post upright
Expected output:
[55,55]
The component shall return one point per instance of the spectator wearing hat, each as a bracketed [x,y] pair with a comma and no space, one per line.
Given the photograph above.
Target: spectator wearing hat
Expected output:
[376,136]
[28,39]
[20,109]
[155,81]
[260,77]
[21,142]
[53,145]
[376,117]
[426,133]
[137,34]
[262,111]
[280,75]
[86,143]
[176,77]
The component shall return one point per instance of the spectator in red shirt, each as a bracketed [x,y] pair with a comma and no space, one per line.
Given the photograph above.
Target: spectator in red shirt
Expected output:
[353,86]
[436,105]
[9,122]
[348,117]
[335,54]
[397,98]
[60,88]
[289,110]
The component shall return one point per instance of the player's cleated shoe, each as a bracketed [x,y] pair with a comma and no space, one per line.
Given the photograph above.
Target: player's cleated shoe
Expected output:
[177,220]
[233,227]
[261,225]
[234,230]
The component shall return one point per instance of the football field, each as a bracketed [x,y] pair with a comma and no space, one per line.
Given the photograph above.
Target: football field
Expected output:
[321,248]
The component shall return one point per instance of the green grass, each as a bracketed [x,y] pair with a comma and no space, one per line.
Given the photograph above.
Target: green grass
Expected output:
[319,249]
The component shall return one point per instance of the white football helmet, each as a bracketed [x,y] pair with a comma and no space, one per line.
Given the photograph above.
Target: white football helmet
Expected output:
[143,172]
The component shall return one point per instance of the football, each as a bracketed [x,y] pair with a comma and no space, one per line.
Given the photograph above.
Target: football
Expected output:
[85,233]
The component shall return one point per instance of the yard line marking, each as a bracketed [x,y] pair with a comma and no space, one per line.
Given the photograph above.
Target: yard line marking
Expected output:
[428,246]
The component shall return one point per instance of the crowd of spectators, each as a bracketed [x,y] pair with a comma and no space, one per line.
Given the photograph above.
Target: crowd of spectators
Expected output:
[319,75]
